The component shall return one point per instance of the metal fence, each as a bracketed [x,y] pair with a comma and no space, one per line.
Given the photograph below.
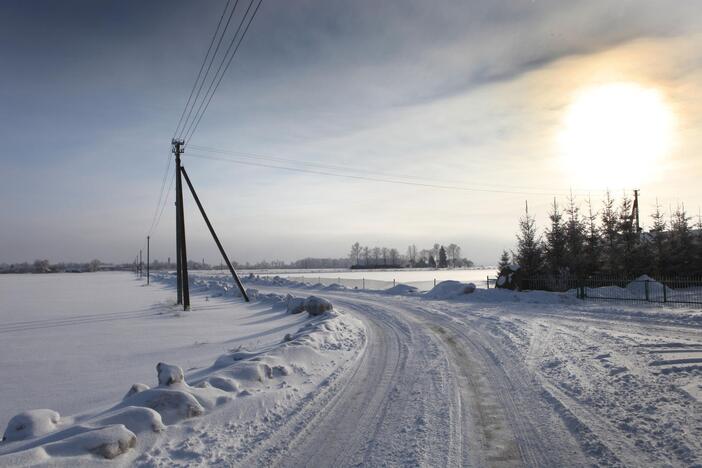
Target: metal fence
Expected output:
[668,290]
[373,284]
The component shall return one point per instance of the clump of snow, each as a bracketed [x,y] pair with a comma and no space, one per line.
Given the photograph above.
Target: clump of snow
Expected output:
[136,388]
[644,284]
[31,424]
[317,305]
[106,442]
[168,374]
[401,289]
[137,419]
[173,405]
[450,289]
[296,305]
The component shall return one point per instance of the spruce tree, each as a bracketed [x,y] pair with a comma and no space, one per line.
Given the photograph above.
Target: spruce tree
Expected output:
[529,249]
[555,243]
[504,263]
[681,244]
[575,238]
[609,230]
[659,242]
[592,241]
[443,260]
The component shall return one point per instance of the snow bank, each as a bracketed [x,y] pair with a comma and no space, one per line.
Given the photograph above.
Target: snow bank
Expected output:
[241,380]
[645,286]
[449,290]
[401,290]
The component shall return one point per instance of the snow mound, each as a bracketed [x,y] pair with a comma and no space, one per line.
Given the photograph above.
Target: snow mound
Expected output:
[296,305]
[401,289]
[656,291]
[137,419]
[136,388]
[168,374]
[449,290]
[31,424]
[106,442]
[317,306]
[173,405]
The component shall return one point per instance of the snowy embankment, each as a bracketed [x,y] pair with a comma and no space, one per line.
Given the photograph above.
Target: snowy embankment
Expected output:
[240,397]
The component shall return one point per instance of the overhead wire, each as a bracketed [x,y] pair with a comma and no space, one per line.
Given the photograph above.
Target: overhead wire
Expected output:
[207,100]
[160,195]
[423,179]
[369,178]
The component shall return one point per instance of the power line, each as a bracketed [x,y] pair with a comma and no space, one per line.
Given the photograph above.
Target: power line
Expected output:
[197,119]
[160,195]
[204,77]
[256,156]
[165,202]
[367,178]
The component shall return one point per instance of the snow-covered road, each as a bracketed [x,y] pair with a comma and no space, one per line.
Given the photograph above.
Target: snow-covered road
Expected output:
[447,383]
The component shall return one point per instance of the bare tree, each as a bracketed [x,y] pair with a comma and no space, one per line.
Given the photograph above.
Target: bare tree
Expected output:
[355,253]
[376,255]
[394,257]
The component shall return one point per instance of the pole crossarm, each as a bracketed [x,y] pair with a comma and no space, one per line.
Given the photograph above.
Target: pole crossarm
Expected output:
[214,235]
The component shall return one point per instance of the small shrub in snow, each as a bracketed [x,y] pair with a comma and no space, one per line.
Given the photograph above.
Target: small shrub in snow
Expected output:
[224,383]
[168,374]
[317,306]
[31,424]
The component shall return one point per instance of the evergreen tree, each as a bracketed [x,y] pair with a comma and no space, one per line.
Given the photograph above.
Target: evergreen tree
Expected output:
[504,262]
[609,230]
[443,260]
[529,249]
[555,243]
[681,244]
[592,241]
[575,238]
[432,262]
[626,252]
[659,243]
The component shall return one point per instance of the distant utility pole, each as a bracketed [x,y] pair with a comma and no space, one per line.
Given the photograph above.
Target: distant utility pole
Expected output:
[636,210]
[141,265]
[148,271]
[181,252]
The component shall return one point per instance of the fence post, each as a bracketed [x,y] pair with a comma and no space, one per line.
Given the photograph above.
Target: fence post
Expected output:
[646,290]
[434,282]
[364,283]
[665,293]
[487,282]
[393,282]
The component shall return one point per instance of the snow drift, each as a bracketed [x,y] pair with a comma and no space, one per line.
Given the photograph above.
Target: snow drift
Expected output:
[241,380]
[450,289]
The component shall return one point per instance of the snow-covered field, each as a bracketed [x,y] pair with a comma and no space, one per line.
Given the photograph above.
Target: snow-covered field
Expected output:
[446,378]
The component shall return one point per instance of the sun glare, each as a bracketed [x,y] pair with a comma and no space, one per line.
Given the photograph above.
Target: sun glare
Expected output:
[616,135]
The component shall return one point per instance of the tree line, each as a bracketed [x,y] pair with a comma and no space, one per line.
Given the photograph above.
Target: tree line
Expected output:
[383,257]
[607,241]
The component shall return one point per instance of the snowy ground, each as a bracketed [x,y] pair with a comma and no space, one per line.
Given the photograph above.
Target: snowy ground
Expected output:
[481,379]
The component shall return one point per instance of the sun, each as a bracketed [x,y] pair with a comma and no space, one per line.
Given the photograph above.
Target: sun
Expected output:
[616,135]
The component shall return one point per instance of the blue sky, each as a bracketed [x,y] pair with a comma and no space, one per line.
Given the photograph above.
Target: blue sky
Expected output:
[471,93]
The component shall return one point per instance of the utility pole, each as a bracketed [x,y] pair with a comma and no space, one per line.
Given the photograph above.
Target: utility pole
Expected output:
[636,210]
[141,265]
[148,271]
[181,251]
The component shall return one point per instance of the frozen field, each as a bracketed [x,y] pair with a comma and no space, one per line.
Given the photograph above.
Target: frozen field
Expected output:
[437,379]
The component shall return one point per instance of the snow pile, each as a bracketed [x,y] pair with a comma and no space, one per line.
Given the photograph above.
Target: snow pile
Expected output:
[401,290]
[449,290]
[646,287]
[238,382]
[31,424]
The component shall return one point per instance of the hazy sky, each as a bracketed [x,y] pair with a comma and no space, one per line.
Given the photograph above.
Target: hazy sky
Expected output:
[462,93]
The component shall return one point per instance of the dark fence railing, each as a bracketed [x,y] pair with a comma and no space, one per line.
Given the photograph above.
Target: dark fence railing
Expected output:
[669,290]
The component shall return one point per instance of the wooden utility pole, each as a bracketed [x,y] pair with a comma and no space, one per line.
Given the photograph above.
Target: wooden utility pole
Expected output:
[181,251]
[148,271]
[214,236]
[141,265]
[636,210]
